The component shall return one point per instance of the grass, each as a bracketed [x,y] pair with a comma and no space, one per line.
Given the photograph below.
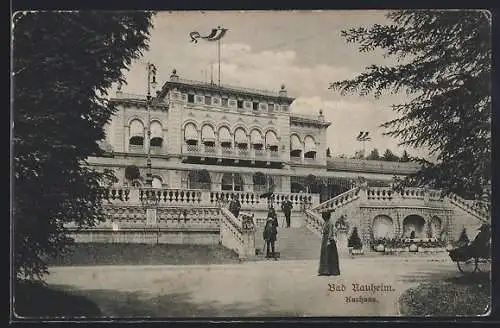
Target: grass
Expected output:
[145,254]
[35,300]
[467,295]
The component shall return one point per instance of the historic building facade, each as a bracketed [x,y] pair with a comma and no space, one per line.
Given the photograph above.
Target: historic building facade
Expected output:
[207,142]
[228,138]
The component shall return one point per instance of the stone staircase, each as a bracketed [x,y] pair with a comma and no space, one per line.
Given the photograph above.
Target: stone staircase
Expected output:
[294,243]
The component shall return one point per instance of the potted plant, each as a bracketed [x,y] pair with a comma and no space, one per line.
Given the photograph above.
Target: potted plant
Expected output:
[379,245]
[413,247]
[354,242]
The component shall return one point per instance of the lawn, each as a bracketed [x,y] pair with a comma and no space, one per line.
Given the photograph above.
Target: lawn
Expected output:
[144,254]
[467,295]
[35,300]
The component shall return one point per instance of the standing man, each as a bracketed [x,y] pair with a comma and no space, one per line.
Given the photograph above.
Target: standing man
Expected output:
[270,232]
[286,207]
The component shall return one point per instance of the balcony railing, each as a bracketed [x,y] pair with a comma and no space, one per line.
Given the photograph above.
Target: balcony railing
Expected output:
[231,153]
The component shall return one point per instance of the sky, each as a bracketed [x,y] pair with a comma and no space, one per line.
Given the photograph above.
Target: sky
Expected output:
[263,49]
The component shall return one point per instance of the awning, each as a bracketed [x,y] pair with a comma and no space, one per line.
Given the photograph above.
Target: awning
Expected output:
[295,143]
[156,130]
[136,129]
[207,133]
[224,135]
[240,137]
[190,132]
[309,144]
[271,139]
[256,138]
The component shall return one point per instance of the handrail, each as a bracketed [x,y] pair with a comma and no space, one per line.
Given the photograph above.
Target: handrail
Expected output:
[314,222]
[473,209]
[339,200]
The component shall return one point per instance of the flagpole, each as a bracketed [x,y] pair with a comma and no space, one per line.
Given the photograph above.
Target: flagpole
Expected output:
[218,55]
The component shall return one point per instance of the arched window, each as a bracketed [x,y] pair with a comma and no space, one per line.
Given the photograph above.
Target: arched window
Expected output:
[208,135]
[157,183]
[225,137]
[156,134]
[271,141]
[240,139]
[190,134]
[136,132]
[295,146]
[309,147]
[256,139]
[232,181]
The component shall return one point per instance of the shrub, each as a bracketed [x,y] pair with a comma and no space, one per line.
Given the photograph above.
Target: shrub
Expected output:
[354,241]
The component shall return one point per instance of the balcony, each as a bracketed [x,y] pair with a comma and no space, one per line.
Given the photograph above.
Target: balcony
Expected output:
[231,153]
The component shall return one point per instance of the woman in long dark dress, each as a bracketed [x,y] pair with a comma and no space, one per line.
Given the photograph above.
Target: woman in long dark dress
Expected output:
[329,257]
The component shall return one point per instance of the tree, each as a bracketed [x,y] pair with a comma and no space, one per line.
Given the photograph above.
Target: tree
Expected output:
[374,155]
[443,63]
[389,156]
[63,65]
[354,241]
[132,172]
[328,152]
[405,157]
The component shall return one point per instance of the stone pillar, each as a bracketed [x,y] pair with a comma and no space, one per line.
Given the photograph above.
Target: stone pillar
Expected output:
[151,214]
[366,228]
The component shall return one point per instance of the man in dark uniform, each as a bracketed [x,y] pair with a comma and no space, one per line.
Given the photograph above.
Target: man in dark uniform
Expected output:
[286,207]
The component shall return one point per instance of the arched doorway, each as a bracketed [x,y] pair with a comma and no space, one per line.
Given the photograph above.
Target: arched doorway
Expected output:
[199,179]
[413,226]
[232,181]
[382,227]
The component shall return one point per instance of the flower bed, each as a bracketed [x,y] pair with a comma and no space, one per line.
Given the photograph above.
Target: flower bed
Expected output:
[408,245]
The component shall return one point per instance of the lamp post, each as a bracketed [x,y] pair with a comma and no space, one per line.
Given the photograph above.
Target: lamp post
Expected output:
[149,198]
[151,85]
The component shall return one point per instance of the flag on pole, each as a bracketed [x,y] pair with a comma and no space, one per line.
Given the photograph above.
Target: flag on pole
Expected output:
[215,35]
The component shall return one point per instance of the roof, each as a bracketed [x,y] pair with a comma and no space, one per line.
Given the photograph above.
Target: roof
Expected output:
[363,165]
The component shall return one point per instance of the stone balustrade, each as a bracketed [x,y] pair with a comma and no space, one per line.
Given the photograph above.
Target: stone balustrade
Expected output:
[314,221]
[172,196]
[338,201]
[250,200]
[231,153]
[473,208]
[234,235]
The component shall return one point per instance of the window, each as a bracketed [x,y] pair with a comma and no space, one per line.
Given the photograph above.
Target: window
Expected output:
[255,105]
[199,99]
[270,107]
[262,106]
[240,103]
[215,101]
[190,98]
[284,108]
[232,103]
[208,100]
[224,102]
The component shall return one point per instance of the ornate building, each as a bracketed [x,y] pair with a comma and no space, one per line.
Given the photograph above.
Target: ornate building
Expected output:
[228,138]
[199,143]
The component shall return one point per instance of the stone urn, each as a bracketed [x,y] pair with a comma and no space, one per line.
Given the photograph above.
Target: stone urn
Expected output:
[380,248]
[413,248]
